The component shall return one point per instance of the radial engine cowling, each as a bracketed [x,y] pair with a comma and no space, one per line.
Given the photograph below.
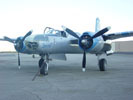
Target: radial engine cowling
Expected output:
[19,45]
[85,41]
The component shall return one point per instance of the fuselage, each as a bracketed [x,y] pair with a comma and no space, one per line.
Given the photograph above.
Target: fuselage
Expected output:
[54,44]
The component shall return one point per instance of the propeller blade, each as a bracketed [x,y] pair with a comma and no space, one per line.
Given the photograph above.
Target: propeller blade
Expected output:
[70,32]
[19,61]
[8,39]
[84,61]
[101,32]
[28,34]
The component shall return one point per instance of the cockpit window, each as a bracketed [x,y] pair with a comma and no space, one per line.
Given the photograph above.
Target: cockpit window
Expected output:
[51,31]
[48,31]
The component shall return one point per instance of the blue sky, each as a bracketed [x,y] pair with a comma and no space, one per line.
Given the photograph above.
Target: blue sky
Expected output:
[19,16]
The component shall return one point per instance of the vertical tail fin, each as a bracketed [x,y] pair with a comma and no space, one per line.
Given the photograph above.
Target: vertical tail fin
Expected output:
[97,26]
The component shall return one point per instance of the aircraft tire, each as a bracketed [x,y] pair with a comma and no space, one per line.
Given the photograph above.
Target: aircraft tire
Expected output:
[102,64]
[42,66]
[41,62]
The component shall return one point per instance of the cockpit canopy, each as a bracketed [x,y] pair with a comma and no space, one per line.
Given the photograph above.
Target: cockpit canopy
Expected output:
[51,31]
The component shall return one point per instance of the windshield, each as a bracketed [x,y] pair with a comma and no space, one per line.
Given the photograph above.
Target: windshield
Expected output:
[49,30]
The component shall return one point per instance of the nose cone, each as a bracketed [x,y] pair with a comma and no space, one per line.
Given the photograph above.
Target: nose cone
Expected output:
[84,42]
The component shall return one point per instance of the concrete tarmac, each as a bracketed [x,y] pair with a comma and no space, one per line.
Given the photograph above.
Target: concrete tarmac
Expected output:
[66,81]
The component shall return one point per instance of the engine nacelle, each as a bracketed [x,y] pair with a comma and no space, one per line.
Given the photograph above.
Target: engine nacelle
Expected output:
[19,46]
[91,45]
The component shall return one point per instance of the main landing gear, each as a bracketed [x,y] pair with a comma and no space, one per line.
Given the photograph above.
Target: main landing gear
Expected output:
[102,63]
[43,64]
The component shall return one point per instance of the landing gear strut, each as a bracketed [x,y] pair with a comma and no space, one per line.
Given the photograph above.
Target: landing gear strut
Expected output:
[43,65]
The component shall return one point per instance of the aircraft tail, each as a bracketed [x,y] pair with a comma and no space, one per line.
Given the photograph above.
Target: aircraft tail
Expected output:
[97,25]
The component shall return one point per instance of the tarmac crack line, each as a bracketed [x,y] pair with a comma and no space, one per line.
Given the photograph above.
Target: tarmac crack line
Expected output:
[38,97]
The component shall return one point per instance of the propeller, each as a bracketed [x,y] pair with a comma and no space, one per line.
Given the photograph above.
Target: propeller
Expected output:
[101,32]
[8,39]
[19,45]
[19,41]
[70,32]
[84,61]
[86,41]
[26,35]
[19,61]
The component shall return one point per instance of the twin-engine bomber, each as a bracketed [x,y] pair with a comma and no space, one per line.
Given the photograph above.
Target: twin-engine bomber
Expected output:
[66,41]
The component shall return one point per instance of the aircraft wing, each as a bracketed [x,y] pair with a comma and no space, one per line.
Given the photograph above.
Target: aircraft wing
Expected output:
[113,36]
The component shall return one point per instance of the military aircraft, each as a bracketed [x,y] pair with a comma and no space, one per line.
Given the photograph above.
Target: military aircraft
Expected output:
[61,42]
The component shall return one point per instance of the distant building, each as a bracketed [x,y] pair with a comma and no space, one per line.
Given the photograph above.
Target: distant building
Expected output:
[123,46]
